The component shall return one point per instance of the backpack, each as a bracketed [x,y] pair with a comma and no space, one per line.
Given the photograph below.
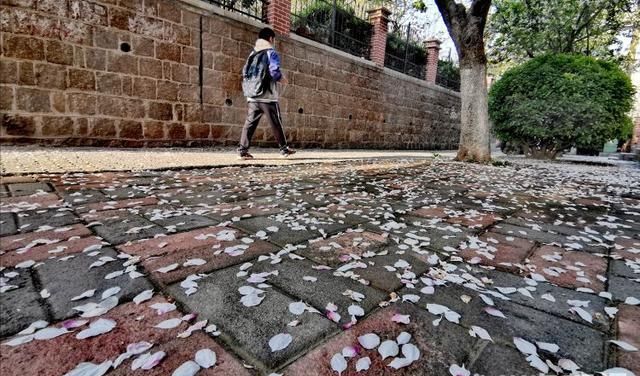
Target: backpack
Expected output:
[255,74]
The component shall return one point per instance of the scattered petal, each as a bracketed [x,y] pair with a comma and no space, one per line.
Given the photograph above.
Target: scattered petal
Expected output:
[280,341]
[206,358]
[388,348]
[369,341]
[338,363]
[363,364]
[169,324]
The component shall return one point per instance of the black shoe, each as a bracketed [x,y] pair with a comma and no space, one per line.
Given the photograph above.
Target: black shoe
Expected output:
[287,151]
[244,155]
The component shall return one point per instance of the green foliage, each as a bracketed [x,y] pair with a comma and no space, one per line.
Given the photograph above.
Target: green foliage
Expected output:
[448,75]
[554,102]
[523,29]
[500,163]
[318,15]
[396,45]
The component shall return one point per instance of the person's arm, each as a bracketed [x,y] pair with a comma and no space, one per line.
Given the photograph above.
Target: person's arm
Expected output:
[274,65]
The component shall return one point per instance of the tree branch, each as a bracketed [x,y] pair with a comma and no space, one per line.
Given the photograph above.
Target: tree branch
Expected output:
[480,8]
[454,16]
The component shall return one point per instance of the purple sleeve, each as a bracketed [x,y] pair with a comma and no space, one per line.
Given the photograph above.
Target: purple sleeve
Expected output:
[274,65]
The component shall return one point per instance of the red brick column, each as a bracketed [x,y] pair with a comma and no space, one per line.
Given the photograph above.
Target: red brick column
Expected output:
[379,18]
[433,53]
[279,16]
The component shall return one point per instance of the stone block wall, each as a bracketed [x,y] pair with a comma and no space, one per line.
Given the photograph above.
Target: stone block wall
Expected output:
[164,73]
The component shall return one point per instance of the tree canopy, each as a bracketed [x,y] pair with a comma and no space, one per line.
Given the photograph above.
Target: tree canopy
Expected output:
[557,101]
[522,29]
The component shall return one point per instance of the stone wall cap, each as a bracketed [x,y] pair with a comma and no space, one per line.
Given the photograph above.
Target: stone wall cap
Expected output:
[211,8]
[432,43]
[380,12]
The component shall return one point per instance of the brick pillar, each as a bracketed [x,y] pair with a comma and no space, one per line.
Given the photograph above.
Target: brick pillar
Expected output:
[379,18]
[279,16]
[433,54]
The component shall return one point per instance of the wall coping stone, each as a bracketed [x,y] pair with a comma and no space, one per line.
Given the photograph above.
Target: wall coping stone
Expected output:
[370,64]
[203,5]
[420,82]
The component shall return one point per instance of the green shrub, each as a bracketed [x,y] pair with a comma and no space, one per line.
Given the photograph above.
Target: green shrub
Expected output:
[448,75]
[396,45]
[352,33]
[554,102]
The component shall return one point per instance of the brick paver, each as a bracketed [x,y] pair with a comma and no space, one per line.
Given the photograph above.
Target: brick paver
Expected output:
[454,263]
[570,268]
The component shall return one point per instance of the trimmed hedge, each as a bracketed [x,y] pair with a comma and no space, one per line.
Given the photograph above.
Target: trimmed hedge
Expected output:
[557,101]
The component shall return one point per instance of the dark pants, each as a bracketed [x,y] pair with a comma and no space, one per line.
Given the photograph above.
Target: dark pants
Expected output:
[256,109]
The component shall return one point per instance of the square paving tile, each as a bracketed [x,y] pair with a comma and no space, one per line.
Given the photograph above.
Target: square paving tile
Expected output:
[571,269]
[7,224]
[498,250]
[21,189]
[19,306]
[325,289]
[84,196]
[390,272]
[31,202]
[182,350]
[33,220]
[580,343]
[31,239]
[291,229]
[561,296]
[72,277]
[248,329]
[49,251]
[218,247]
[621,288]
[344,247]
[439,346]
[628,329]
[127,228]
[57,356]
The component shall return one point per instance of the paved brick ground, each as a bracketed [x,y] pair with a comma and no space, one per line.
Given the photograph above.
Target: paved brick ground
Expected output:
[380,266]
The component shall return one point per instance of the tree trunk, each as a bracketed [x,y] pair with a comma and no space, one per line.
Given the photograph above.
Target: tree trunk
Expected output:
[475,143]
[466,28]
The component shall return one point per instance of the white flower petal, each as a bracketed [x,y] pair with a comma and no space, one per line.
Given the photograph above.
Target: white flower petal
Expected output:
[169,324]
[355,310]
[410,351]
[90,369]
[96,328]
[363,364]
[297,308]
[188,368]
[110,292]
[388,348]
[456,370]
[143,296]
[550,347]
[280,341]
[86,294]
[398,363]
[525,346]
[206,358]
[403,338]
[624,345]
[369,341]
[49,333]
[338,363]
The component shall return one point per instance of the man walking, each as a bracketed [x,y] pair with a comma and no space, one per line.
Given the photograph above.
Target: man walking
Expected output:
[260,76]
